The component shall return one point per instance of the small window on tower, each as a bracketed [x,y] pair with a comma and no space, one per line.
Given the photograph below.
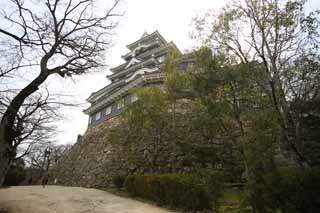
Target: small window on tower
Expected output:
[98,116]
[108,110]
[134,98]
[161,58]
[90,119]
[120,105]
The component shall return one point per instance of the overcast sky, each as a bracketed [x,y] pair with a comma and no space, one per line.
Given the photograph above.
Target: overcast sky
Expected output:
[171,18]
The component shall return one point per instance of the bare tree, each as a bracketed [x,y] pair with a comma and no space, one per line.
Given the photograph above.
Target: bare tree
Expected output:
[49,37]
[35,122]
[44,156]
[58,151]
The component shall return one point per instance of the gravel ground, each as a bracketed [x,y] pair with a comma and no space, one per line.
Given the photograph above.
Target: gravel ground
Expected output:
[35,199]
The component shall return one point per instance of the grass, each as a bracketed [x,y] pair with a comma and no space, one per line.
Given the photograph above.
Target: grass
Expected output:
[234,195]
[232,200]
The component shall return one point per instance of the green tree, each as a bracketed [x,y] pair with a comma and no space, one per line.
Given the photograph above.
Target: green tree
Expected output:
[283,40]
[171,114]
[240,114]
[264,71]
[146,121]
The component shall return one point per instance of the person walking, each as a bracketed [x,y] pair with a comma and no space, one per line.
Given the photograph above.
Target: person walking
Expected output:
[44,181]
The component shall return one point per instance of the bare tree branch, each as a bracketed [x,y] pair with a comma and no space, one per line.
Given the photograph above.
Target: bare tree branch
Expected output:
[62,37]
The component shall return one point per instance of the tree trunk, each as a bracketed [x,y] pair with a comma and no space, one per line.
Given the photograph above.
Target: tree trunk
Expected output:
[8,130]
[5,162]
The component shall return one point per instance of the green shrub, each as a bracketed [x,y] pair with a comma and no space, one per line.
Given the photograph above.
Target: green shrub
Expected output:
[187,192]
[118,181]
[295,192]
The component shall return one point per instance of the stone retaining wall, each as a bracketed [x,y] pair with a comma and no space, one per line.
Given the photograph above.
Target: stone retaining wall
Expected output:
[92,161]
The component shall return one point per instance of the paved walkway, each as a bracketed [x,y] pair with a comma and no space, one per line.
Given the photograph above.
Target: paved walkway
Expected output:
[35,199]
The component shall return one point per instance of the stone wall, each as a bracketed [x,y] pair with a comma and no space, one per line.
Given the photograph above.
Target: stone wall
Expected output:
[93,161]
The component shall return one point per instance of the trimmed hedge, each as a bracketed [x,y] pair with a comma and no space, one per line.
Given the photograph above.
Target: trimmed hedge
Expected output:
[187,192]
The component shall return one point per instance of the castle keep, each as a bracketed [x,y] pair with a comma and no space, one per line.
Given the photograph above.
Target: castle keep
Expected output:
[141,67]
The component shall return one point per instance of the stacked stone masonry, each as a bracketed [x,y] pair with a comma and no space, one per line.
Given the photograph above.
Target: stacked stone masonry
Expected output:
[92,161]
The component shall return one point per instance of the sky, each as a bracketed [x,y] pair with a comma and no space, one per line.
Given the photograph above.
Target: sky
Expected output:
[172,18]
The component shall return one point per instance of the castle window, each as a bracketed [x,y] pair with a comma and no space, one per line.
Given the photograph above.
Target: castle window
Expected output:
[90,119]
[183,66]
[161,58]
[120,105]
[134,98]
[98,116]
[108,110]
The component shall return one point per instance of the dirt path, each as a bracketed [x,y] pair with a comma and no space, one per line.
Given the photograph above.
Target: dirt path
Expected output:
[35,199]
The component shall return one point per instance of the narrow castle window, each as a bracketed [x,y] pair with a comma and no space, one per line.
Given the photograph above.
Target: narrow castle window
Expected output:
[108,110]
[161,58]
[134,98]
[98,115]
[120,105]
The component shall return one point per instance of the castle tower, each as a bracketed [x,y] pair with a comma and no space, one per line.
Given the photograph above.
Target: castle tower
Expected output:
[141,67]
